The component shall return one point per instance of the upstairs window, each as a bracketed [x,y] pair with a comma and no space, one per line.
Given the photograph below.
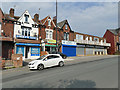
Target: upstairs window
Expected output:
[26,18]
[77,36]
[23,31]
[66,26]
[104,40]
[81,37]
[49,23]
[86,38]
[26,31]
[49,34]
[90,38]
[66,36]
[96,39]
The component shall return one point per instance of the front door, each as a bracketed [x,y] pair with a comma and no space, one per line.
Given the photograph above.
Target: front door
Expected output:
[26,52]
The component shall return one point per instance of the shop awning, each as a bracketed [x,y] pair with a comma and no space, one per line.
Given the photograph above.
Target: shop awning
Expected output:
[28,44]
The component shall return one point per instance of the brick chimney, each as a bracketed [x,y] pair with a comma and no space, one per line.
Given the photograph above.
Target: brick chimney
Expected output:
[54,19]
[11,13]
[36,17]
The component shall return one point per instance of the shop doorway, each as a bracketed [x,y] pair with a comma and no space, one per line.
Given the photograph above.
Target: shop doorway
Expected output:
[26,52]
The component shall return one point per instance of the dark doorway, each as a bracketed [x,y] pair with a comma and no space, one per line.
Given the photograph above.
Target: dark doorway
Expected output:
[47,48]
[26,52]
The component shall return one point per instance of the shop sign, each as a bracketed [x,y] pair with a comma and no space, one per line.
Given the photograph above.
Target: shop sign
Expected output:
[89,46]
[20,50]
[80,45]
[27,44]
[68,42]
[35,51]
[51,41]
[25,37]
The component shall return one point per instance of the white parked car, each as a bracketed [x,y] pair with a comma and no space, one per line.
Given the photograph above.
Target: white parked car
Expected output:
[46,61]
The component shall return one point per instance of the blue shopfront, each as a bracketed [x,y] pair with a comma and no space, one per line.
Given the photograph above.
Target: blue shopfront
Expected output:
[29,51]
[69,48]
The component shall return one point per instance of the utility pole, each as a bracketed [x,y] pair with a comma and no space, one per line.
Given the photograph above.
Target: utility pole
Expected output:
[56,27]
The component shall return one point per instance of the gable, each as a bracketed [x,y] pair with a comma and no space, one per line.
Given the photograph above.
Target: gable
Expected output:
[45,21]
[1,15]
[22,18]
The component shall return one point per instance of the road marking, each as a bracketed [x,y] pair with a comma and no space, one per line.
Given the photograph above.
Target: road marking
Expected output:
[68,59]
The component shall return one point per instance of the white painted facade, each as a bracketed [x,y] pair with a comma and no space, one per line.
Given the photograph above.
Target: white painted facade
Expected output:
[25,29]
[18,29]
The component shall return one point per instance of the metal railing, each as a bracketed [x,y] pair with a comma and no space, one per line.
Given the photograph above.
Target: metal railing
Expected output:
[91,42]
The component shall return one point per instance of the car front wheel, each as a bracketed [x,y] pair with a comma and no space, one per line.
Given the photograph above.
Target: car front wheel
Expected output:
[61,64]
[40,67]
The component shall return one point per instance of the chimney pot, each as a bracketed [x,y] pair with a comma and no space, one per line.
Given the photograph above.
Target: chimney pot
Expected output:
[11,12]
[36,17]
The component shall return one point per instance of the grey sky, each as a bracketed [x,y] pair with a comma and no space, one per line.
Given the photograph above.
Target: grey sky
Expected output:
[85,17]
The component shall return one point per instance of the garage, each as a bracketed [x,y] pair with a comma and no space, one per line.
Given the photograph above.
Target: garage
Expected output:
[80,50]
[69,48]
[89,51]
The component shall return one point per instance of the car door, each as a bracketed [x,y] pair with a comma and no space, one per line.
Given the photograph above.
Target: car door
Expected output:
[56,59]
[48,61]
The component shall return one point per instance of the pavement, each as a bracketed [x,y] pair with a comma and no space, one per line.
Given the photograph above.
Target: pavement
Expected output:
[78,72]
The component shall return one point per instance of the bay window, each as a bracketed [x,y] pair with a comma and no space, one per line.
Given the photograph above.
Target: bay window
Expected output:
[26,31]
[66,36]
[49,34]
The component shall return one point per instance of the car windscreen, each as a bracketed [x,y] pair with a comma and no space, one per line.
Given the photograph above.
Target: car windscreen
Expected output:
[41,57]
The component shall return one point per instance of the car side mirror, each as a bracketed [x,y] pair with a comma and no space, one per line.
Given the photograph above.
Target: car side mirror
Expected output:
[45,59]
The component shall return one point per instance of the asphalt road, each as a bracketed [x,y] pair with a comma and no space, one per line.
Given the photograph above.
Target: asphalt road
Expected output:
[102,73]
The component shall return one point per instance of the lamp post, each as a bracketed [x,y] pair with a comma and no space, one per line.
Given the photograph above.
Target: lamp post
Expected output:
[56,27]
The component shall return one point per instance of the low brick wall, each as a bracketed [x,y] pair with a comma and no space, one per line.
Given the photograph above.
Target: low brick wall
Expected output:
[6,63]
[17,60]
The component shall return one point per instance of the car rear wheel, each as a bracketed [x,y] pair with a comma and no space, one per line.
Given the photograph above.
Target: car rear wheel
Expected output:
[61,64]
[40,67]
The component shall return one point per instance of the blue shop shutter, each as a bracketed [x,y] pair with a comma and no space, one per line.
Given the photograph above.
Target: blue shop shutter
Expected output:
[69,50]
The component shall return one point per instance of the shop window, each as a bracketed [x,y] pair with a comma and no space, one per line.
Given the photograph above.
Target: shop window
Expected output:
[102,53]
[95,53]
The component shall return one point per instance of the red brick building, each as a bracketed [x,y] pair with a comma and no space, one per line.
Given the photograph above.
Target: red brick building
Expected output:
[6,38]
[113,36]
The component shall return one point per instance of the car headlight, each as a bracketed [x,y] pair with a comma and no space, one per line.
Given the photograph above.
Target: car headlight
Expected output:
[33,63]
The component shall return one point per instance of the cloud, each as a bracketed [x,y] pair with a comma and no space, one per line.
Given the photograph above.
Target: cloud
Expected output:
[84,17]
[93,19]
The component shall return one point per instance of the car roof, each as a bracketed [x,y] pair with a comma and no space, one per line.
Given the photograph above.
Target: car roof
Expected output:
[53,54]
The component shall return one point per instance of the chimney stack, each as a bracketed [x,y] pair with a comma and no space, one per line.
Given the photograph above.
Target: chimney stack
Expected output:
[36,17]
[11,12]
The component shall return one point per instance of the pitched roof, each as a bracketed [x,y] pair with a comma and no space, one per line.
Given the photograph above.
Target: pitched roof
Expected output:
[61,24]
[114,31]
[7,16]
[43,20]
